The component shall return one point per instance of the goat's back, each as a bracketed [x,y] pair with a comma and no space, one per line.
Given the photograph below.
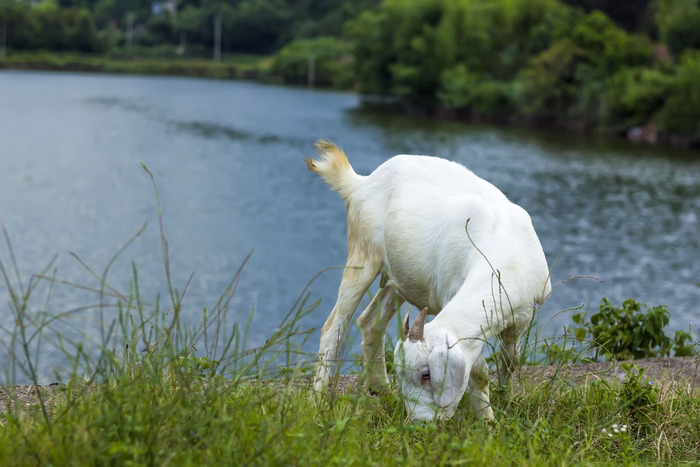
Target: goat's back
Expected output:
[414,210]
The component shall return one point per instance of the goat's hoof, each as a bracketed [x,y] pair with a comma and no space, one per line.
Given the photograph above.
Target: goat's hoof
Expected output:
[378,389]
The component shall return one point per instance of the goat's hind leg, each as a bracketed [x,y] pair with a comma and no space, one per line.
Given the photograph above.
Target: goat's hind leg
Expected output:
[358,275]
[374,322]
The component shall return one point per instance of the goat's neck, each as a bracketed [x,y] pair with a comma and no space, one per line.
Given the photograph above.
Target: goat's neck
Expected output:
[466,317]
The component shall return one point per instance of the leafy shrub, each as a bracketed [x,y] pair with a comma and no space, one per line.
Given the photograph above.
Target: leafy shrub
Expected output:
[333,63]
[567,80]
[494,99]
[634,95]
[549,88]
[414,49]
[458,87]
[638,398]
[631,332]
[555,354]
[607,46]
[49,27]
[680,114]
[679,24]
[466,91]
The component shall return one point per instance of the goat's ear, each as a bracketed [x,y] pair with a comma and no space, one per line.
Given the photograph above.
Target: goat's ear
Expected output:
[448,367]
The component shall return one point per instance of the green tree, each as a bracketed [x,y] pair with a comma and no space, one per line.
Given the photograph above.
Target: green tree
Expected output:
[568,80]
[333,62]
[117,11]
[51,31]
[20,25]
[634,96]
[679,24]
[549,85]
[81,34]
[680,114]
[372,52]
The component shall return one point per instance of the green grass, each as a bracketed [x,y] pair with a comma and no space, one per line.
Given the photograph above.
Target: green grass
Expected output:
[157,417]
[155,390]
[234,67]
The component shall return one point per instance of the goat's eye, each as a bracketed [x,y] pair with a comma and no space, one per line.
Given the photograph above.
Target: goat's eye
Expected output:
[425,376]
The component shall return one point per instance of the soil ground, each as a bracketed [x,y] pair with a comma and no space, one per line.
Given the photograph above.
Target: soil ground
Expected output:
[683,371]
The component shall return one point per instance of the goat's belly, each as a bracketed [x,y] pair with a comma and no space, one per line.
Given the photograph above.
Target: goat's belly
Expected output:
[415,292]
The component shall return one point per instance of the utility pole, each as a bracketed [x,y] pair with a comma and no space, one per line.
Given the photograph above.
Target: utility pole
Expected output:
[3,42]
[130,29]
[182,50]
[217,39]
[311,78]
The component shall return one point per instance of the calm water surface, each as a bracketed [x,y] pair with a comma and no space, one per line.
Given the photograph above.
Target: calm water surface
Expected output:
[227,158]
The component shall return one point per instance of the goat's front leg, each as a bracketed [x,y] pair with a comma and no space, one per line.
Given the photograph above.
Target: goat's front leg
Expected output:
[358,275]
[373,322]
[509,351]
[479,388]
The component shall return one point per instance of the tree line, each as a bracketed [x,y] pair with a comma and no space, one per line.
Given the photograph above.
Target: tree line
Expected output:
[538,61]
[614,65]
[248,26]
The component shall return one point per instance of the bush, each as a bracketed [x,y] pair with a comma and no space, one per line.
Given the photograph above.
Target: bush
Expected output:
[679,25]
[631,332]
[608,47]
[680,114]
[634,96]
[464,91]
[48,27]
[458,87]
[568,79]
[415,49]
[333,63]
[548,85]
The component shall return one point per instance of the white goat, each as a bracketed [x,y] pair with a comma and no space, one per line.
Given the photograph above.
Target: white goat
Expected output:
[407,220]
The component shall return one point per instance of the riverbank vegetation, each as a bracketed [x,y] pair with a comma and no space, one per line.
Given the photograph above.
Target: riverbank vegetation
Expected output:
[151,387]
[628,68]
[157,391]
[540,62]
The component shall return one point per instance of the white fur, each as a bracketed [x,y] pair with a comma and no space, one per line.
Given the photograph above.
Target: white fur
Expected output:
[408,220]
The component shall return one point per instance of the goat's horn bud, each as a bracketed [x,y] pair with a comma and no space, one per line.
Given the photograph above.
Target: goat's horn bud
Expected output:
[404,328]
[416,332]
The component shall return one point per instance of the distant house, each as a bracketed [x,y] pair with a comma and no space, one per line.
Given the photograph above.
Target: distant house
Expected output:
[158,8]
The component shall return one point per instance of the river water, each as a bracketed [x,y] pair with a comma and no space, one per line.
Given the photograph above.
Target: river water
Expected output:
[227,160]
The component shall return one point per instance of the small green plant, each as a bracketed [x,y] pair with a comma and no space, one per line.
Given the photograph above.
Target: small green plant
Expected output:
[638,398]
[554,354]
[616,440]
[632,331]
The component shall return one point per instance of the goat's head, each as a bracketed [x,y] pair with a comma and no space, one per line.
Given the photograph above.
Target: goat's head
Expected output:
[432,371]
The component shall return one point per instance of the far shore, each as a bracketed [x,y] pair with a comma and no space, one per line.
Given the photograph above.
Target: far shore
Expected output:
[259,69]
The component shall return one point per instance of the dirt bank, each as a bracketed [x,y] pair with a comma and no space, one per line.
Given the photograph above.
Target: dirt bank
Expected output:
[684,371]
[662,371]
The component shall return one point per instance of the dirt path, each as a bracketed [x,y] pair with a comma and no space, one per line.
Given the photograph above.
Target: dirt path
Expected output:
[662,371]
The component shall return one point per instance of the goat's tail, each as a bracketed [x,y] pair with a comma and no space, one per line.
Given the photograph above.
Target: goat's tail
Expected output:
[335,169]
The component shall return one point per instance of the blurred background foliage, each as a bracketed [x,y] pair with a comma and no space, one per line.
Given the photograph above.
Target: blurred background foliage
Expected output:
[621,66]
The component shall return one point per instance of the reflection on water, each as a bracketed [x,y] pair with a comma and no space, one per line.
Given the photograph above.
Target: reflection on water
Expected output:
[227,157]
[202,129]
